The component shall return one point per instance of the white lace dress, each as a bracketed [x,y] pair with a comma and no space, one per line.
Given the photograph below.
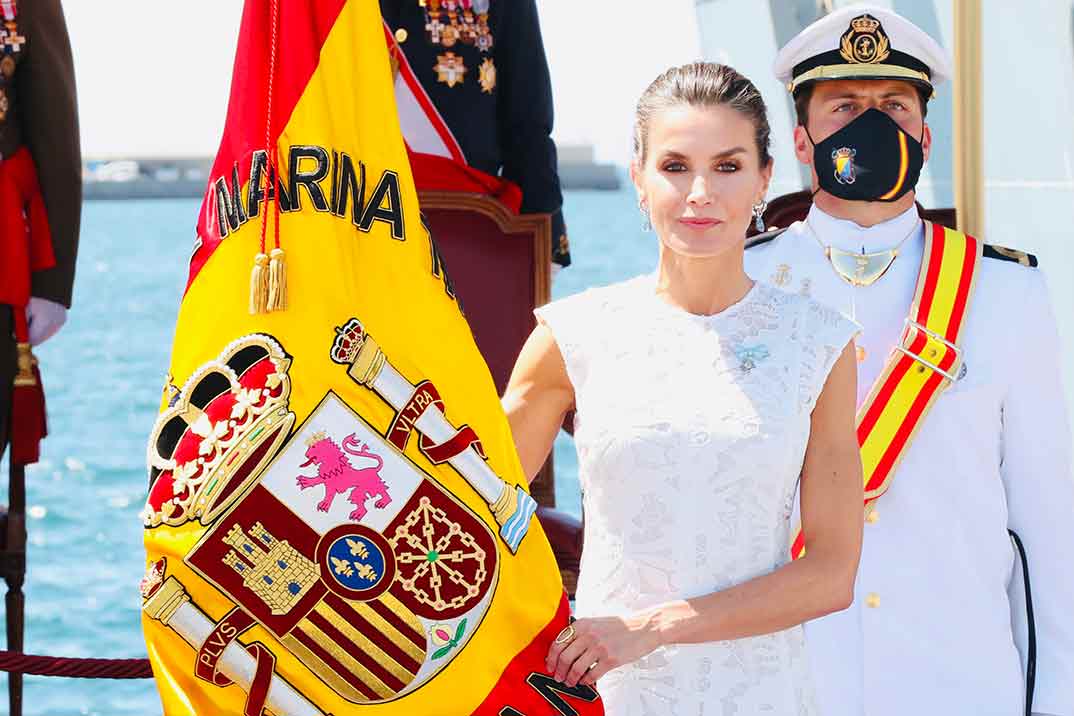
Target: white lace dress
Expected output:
[691,431]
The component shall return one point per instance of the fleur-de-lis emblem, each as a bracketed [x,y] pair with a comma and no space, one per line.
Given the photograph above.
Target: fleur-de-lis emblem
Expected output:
[342,566]
[366,572]
[358,549]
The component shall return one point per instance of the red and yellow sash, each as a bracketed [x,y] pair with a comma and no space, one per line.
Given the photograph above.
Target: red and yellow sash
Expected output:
[925,362]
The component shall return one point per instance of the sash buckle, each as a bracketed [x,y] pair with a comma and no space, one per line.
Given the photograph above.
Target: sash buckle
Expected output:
[932,349]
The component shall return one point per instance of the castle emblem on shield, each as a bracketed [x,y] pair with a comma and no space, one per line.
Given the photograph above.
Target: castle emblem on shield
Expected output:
[352,578]
[330,536]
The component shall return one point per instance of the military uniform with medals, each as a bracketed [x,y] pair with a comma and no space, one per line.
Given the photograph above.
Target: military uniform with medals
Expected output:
[482,63]
[40,181]
[939,622]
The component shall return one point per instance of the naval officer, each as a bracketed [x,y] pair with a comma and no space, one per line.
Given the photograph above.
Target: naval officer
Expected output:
[40,188]
[483,64]
[939,621]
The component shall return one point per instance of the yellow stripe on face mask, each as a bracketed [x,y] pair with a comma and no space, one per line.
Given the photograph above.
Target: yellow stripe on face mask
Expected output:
[904,167]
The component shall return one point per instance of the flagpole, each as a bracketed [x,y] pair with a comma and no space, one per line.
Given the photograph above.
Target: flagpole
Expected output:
[968,107]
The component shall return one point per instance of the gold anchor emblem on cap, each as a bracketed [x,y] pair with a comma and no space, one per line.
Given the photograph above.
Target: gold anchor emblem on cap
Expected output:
[865,42]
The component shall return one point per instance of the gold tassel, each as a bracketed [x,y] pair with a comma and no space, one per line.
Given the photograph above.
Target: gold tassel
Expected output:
[259,285]
[25,366]
[277,281]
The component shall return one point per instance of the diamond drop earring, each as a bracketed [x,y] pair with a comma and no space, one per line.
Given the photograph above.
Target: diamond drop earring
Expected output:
[758,215]
[646,225]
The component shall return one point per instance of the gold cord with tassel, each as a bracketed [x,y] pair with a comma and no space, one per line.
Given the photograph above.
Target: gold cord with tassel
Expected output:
[259,285]
[268,281]
[277,281]
[25,365]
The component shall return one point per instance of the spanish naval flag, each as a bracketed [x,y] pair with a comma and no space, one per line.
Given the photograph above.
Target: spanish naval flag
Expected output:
[337,519]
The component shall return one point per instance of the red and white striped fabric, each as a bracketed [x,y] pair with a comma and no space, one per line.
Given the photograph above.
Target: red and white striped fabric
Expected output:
[436,158]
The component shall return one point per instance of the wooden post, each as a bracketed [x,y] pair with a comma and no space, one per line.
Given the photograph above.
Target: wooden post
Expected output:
[968,107]
[543,487]
[13,562]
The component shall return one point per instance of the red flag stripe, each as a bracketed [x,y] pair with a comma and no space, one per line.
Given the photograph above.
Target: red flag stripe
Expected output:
[515,689]
[304,27]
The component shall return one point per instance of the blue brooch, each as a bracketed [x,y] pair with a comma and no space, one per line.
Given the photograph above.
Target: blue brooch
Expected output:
[750,356]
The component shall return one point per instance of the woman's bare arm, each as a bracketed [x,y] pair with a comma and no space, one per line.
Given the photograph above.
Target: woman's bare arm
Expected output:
[537,398]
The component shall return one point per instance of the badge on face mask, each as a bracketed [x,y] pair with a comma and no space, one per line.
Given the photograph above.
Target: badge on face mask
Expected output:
[870,159]
[844,164]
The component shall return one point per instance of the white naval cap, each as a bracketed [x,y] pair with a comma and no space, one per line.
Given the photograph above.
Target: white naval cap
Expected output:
[862,42]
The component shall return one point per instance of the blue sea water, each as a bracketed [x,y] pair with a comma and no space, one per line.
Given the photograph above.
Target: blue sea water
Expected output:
[104,374]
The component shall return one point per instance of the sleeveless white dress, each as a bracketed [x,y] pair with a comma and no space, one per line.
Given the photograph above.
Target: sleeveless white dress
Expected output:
[691,432]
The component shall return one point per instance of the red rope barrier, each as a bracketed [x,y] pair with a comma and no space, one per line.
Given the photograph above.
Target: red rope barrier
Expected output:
[75,668]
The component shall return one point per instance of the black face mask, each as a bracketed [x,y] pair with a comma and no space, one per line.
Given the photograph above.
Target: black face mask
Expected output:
[870,159]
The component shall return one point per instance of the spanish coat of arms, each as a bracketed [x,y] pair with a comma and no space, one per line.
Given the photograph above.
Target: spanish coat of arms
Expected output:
[326,535]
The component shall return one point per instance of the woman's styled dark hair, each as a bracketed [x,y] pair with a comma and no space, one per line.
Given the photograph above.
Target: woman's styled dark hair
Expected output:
[703,84]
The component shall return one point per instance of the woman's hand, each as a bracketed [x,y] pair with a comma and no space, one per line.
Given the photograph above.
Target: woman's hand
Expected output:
[590,648]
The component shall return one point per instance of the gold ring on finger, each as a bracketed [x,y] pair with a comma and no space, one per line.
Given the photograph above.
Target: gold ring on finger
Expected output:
[566,636]
[593,665]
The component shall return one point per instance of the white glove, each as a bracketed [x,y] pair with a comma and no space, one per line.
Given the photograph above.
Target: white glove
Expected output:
[44,318]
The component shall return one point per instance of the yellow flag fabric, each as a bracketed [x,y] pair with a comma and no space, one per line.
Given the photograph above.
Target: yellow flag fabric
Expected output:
[337,516]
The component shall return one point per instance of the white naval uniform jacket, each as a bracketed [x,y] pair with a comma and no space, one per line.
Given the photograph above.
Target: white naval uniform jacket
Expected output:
[937,625]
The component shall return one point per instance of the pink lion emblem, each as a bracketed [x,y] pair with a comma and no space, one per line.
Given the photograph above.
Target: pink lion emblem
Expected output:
[336,473]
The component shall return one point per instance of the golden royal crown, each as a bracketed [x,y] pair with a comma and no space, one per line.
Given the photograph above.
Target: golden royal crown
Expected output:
[865,24]
[349,340]
[315,438]
[218,432]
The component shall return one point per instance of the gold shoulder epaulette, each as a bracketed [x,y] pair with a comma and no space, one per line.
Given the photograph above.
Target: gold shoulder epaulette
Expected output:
[1002,253]
[761,239]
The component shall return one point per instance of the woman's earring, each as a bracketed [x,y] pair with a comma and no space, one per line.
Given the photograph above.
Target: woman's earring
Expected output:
[646,225]
[758,215]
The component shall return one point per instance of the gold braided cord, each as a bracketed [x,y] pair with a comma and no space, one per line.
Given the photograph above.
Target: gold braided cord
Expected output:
[849,72]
